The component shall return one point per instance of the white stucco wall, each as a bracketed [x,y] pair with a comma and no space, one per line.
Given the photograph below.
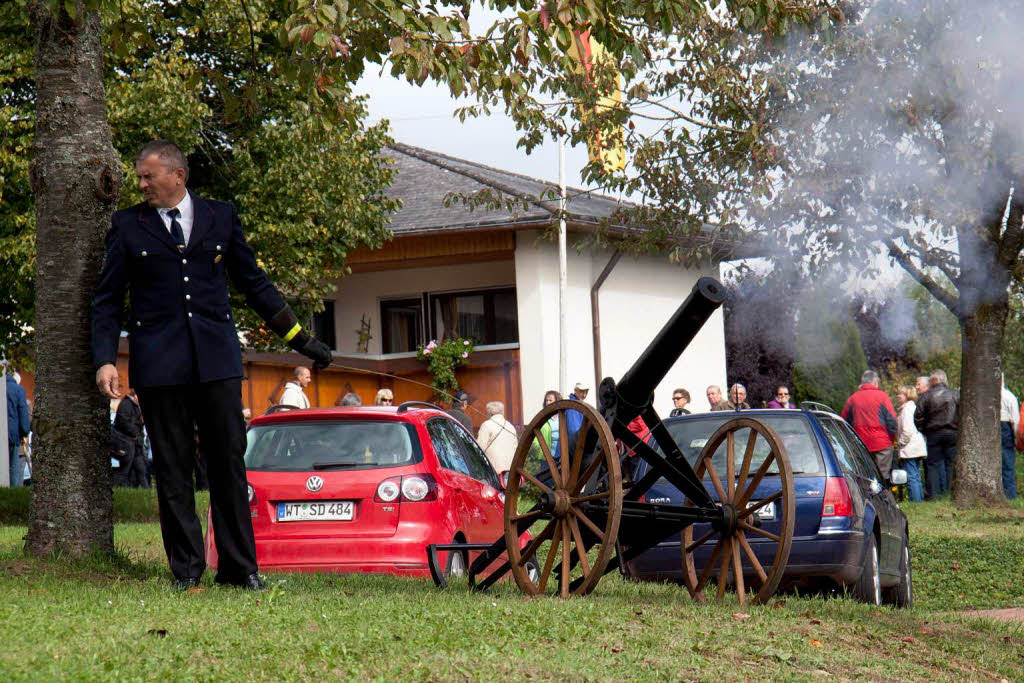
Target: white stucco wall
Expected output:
[361,293]
[636,300]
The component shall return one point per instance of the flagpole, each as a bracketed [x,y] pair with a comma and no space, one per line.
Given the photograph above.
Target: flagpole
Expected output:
[563,304]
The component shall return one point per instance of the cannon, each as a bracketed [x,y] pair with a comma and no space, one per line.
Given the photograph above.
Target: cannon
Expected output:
[587,519]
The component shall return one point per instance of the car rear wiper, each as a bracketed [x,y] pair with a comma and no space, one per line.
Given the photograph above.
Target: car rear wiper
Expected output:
[331,465]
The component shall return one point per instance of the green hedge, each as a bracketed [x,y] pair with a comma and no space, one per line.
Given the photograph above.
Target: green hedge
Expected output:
[130,505]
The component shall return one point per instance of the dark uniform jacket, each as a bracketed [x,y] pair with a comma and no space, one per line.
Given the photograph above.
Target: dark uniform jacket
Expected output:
[180,325]
[938,411]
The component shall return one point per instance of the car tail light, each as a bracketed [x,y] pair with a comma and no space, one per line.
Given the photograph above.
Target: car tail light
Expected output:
[412,488]
[837,501]
[388,490]
[417,488]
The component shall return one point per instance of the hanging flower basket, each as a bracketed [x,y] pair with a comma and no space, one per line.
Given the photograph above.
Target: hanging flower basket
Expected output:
[442,359]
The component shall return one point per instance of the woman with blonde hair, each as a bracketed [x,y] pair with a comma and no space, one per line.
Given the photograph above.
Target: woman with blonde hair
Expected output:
[385,397]
[910,442]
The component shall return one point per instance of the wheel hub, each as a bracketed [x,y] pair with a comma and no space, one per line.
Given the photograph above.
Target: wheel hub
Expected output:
[726,526]
[558,504]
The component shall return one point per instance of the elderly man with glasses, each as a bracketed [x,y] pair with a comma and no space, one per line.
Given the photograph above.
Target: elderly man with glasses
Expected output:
[781,399]
[680,397]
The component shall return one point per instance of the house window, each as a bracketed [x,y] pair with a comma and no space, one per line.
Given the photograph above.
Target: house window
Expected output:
[401,323]
[486,316]
[323,325]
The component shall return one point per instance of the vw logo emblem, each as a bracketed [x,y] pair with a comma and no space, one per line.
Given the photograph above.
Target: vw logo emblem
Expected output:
[314,483]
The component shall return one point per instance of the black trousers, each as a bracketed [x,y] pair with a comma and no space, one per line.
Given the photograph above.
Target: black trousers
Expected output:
[938,464]
[172,414]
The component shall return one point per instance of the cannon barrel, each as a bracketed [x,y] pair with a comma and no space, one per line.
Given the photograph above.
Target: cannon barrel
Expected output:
[650,368]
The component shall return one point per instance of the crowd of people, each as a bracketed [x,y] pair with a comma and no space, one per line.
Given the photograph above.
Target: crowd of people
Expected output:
[918,435]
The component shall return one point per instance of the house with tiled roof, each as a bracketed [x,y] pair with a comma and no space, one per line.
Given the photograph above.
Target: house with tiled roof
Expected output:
[491,273]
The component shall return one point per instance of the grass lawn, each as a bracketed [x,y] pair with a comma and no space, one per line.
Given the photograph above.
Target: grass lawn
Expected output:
[119,619]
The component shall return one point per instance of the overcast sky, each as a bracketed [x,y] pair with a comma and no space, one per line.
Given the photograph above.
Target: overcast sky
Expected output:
[422,116]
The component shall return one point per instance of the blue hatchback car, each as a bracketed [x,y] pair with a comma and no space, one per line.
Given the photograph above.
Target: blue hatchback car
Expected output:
[849,529]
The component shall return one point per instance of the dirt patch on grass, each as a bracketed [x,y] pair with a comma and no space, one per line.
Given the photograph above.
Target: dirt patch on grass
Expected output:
[1005,614]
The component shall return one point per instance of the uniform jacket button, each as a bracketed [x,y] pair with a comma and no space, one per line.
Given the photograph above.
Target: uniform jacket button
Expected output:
[218,247]
[186,278]
[188,297]
[138,324]
[190,314]
[184,260]
[144,254]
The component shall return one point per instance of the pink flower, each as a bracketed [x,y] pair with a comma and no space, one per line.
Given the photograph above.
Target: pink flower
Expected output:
[426,351]
[432,344]
[465,342]
[465,355]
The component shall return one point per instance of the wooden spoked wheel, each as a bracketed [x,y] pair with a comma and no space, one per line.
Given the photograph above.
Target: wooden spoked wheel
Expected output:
[572,495]
[747,489]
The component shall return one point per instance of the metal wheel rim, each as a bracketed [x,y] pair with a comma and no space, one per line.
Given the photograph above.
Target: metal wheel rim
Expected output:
[876,579]
[731,550]
[565,532]
[456,565]
[907,575]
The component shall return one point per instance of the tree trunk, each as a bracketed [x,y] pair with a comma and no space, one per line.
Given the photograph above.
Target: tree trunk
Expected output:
[76,177]
[984,304]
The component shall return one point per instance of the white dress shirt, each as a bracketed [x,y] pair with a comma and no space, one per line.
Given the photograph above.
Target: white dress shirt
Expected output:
[184,220]
[1008,409]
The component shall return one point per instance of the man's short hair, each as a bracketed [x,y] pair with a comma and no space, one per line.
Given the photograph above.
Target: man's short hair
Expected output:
[682,392]
[351,399]
[495,408]
[298,371]
[737,386]
[922,378]
[869,377]
[165,150]
[713,386]
[938,377]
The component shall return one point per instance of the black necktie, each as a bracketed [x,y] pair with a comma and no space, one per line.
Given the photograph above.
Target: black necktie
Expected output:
[176,232]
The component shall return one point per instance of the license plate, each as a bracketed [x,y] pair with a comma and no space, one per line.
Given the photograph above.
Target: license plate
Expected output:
[767,512]
[317,510]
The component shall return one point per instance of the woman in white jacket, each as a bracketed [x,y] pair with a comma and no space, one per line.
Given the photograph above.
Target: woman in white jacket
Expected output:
[910,442]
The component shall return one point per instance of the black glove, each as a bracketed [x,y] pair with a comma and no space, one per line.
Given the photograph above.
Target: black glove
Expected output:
[285,324]
[312,348]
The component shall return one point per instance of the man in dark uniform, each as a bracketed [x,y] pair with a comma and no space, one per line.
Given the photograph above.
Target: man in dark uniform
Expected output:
[174,253]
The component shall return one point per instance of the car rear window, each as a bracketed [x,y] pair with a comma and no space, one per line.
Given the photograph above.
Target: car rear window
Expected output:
[304,446]
[793,430]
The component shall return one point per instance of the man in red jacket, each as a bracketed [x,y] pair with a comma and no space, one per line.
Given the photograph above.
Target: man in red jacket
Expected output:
[869,411]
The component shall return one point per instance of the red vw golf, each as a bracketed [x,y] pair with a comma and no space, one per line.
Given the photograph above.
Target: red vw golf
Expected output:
[366,490]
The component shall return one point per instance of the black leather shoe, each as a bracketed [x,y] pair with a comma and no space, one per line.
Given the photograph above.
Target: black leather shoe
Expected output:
[185,583]
[251,582]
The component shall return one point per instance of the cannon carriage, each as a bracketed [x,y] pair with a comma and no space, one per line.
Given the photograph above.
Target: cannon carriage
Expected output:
[573,489]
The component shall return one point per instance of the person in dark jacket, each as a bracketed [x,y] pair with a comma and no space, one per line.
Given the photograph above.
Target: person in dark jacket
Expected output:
[17,427]
[127,434]
[173,253]
[458,410]
[938,417]
[869,411]
[680,399]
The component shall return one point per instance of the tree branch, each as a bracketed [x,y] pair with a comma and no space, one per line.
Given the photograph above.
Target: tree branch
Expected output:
[945,297]
[1012,241]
